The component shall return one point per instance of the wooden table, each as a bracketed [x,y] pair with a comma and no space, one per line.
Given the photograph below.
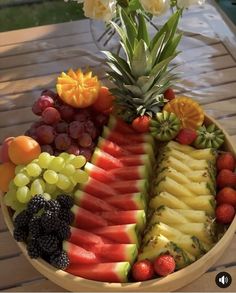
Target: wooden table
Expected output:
[30,61]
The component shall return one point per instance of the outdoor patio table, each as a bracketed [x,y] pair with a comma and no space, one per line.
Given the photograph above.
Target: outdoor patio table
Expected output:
[30,61]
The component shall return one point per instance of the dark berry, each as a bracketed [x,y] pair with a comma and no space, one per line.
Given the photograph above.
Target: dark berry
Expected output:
[33,248]
[22,219]
[63,232]
[65,201]
[49,221]
[53,206]
[20,234]
[60,260]
[35,227]
[37,203]
[66,216]
[49,243]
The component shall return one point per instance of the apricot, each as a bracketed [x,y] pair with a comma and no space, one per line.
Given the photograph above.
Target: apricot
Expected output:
[7,173]
[4,157]
[23,149]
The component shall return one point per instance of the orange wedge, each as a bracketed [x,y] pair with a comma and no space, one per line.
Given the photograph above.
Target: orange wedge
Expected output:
[187,110]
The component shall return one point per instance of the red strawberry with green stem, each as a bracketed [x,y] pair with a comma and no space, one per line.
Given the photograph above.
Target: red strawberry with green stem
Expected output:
[169,94]
[141,123]
[164,265]
[142,270]
[186,136]
[225,213]
[225,161]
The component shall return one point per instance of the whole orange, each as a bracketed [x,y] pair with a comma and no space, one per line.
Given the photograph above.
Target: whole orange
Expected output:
[7,171]
[104,100]
[23,149]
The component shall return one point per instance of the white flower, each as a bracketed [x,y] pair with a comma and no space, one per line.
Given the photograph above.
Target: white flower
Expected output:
[187,3]
[155,7]
[100,9]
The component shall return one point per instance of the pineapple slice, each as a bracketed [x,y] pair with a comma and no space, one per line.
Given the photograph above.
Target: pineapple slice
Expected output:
[173,174]
[175,164]
[199,176]
[204,154]
[202,202]
[200,188]
[198,164]
[160,244]
[173,187]
[180,147]
[165,198]
[193,216]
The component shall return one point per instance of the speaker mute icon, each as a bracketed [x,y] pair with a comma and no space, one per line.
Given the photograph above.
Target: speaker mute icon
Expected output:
[223,279]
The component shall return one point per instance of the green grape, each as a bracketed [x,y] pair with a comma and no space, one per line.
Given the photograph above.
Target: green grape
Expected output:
[50,188]
[33,169]
[12,185]
[37,187]
[23,194]
[9,197]
[80,176]
[78,162]
[36,161]
[63,182]
[57,164]
[18,207]
[21,180]
[70,189]
[47,196]
[68,170]
[19,169]
[50,176]
[64,155]
[70,158]
[44,160]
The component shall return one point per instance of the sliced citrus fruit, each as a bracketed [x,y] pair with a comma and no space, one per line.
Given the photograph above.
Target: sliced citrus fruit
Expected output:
[187,110]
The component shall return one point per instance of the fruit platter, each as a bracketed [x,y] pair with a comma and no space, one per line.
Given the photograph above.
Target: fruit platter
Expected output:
[128,188]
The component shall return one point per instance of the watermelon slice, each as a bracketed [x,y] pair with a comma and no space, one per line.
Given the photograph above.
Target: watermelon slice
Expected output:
[137,217]
[97,188]
[112,148]
[130,186]
[91,203]
[115,123]
[85,238]
[140,148]
[123,234]
[130,172]
[135,160]
[87,220]
[99,173]
[77,254]
[104,160]
[104,272]
[130,201]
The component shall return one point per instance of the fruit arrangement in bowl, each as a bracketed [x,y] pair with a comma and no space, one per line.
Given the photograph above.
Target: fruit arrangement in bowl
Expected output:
[131,188]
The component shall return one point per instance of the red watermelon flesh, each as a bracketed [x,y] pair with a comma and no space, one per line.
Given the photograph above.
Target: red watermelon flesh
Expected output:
[103,272]
[140,148]
[85,238]
[77,254]
[87,220]
[135,160]
[130,186]
[130,201]
[105,160]
[115,123]
[98,173]
[91,203]
[112,148]
[98,189]
[130,172]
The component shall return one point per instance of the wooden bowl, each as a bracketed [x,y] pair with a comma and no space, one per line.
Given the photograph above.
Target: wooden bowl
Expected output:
[170,283]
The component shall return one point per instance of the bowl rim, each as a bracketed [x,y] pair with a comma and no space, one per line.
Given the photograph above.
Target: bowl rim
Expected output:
[172,282]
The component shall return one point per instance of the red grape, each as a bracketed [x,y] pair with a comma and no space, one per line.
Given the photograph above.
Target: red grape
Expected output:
[82,115]
[76,129]
[45,102]
[67,112]
[47,148]
[73,149]
[91,129]
[86,152]
[45,134]
[62,141]
[49,93]
[85,140]
[101,119]
[50,115]
[62,127]
[36,109]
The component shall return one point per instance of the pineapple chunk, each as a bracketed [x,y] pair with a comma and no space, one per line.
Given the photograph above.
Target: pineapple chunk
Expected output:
[180,147]
[173,187]
[202,202]
[173,174]
[165,198]
[198,164]
[193,216]
[175,164]
[168,216]
[199,176]
[204,154]
[200,188]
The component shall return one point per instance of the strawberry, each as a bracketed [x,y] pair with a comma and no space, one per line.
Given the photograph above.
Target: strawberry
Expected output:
[169,94]
[141,123]
[164,265]
[186,136]
[142,270]
[225,213]
[225,161]
[226,178]
[226,195]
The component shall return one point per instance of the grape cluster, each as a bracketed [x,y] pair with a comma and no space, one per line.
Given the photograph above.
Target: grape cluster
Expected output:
[63,128]
[48,175]
[43,228]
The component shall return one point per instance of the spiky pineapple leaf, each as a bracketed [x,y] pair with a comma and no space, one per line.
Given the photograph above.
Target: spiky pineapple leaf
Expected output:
[142,29]
[157,49]
[129,26]
[172,45]
[161,66]
[139,63]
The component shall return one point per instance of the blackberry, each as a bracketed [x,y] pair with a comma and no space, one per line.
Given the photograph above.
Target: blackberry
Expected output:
[49,222]
[35,227]
[63,232]
[20,234]
[49,243]
[66,216]
[22,219]
[37,203]
[53,206]
[65,201]
[33,248]
[60,260]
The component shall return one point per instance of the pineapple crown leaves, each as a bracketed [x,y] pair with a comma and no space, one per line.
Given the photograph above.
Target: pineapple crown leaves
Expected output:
[143,75]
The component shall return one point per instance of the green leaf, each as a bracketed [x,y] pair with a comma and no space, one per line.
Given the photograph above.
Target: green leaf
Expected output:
[172,46]
[129,24]
[142,29]
[139,61]
[134,5]
[157,49]
[136,91]
[161,66]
